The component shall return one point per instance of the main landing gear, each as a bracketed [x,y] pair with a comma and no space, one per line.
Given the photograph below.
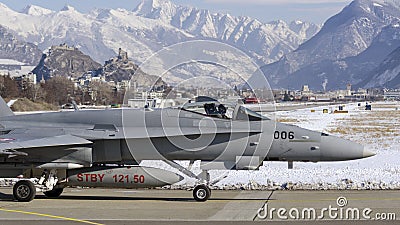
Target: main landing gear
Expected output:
[25,190]
[55,193]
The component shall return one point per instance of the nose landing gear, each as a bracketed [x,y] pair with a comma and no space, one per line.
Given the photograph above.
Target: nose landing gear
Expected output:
[201,193]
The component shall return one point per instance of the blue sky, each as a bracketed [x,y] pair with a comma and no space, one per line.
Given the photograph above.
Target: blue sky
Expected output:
[265,10]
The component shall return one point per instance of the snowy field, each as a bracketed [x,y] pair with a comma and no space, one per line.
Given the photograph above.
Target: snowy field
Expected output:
[378,130]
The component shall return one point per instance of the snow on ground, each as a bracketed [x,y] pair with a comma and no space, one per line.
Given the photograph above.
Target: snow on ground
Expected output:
[378,130]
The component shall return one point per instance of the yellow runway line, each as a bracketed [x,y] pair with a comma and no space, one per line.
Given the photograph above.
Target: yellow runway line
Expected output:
[50,216]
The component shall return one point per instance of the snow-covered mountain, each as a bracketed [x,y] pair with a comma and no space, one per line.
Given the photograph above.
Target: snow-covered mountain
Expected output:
[35,10]
[13,49]
[152,25]
[347,47]
[387,74]
[266,42]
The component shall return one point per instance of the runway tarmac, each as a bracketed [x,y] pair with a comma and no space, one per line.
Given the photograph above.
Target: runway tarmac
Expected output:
[150,207]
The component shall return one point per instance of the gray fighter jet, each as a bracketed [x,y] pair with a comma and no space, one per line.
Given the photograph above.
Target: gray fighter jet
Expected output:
[104,148]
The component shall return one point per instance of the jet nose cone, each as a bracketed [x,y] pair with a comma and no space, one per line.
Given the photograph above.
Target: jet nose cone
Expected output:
[368,153]
[338,149]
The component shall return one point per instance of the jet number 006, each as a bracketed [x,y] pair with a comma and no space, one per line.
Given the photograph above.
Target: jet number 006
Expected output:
[284,135]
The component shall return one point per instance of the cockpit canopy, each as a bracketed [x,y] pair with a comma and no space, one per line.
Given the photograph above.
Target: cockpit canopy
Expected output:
[223,111]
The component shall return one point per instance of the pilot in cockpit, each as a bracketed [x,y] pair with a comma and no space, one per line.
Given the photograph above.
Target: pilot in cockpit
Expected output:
[212,110]
[222,111]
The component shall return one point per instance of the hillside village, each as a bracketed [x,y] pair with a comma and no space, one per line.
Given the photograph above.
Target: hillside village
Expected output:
[84,80]
[64,74]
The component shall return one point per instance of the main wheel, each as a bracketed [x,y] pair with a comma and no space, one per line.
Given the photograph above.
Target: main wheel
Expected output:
[201,193]
[24,191]
[55,193]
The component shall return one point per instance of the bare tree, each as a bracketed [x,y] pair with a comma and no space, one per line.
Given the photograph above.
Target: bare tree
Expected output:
[58,90]
[8,87]
[102,93]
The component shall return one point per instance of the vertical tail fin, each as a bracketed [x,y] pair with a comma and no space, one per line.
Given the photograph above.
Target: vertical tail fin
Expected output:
[4,109]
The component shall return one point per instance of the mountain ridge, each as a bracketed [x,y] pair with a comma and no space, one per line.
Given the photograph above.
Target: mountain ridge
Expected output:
[13,48]
[143,34]
[348,47]
[335,54]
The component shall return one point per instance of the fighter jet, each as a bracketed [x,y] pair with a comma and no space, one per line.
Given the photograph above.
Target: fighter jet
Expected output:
[47,152]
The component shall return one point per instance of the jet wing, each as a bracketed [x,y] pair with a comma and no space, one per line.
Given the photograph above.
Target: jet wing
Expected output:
[14,144]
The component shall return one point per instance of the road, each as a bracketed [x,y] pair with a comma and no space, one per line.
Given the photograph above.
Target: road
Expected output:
[114,206]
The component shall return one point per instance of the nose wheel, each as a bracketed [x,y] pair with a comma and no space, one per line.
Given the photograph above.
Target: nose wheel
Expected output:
[201,193]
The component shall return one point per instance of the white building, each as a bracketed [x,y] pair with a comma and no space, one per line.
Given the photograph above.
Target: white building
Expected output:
[391,95]
[14,68]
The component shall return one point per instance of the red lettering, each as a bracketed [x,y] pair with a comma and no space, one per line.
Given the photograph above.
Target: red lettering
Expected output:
[87,175]
[138,178]
[101,176]
[141,179]
[93,177]
[79,177]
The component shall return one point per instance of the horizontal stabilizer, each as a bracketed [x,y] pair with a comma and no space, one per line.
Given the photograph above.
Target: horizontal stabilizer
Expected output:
[4,109]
